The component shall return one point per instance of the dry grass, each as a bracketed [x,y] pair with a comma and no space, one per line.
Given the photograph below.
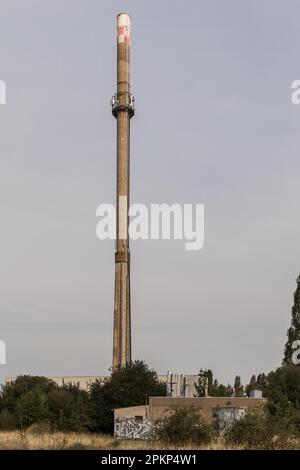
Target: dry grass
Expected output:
[36,439]
[27,440]
[55,441]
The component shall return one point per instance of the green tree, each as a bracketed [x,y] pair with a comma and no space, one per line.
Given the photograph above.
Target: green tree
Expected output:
[294,330]
[285,381]
[128,386]
[69,408]
[259,383]
[220,390]
[238,387]
[13,391]
[262,383]
[32,408]
[251,385]
[205,379]
[35,400]
[7,420]
[214,388]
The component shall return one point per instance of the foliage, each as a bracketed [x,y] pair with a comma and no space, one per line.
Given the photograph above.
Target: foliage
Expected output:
[29,400]
[285,381]
[259,383]
[32,402]
[37,403]
[214,388]
[294,330]
[7,420]
[238,387]
[205,379]
[15,390]
[273,426]
[128,386]
[184,425]
[250,431]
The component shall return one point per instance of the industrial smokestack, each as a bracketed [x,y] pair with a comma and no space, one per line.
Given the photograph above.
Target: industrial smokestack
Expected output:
[123,110]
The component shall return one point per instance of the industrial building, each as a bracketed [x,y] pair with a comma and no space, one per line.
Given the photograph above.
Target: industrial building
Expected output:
[136,422]
[178,385]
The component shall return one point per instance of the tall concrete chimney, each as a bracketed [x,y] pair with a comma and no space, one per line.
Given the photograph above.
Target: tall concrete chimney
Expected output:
[123,110]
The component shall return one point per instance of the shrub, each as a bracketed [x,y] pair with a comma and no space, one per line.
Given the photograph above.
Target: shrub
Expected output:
[274,426]
[251,431]
[184,425]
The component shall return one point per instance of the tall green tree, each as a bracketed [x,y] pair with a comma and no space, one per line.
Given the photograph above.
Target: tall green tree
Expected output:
[251,385]
[285,381]
[259,383]
[214,388]
[205,379]
[262,383]
[294,330]
[128,386]
[238,387]
[221,390]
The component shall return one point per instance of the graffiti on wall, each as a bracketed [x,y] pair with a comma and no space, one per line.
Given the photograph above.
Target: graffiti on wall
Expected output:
[227,415]
[131,428]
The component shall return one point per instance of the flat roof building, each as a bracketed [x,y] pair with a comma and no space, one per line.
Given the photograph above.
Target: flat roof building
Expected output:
[135,422]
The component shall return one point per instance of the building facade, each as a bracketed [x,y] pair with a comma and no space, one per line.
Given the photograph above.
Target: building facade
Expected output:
[136,422]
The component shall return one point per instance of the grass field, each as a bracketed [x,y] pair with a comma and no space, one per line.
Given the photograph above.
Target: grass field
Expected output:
[26,440]
[33,440]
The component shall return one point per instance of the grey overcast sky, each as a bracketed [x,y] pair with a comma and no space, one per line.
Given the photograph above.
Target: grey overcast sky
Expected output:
[214,125]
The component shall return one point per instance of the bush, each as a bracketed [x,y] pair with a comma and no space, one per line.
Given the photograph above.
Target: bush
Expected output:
[34,401]
[184,425]
[274,426]
[251,431]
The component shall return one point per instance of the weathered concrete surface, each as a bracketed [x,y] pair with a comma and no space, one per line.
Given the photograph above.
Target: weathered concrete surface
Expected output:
[136,422]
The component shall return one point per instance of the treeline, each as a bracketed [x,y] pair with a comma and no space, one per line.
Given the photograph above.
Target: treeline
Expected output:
[275,425]
[215,389]
[40,403]
[29,401]
[276,385]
